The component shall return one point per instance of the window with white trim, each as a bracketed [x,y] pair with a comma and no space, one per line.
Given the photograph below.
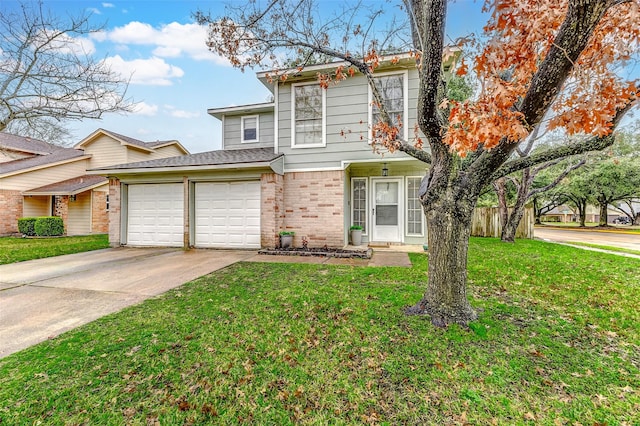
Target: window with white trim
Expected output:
[307,116]
[359,203]
[249,128]
[415,214]
[394,92]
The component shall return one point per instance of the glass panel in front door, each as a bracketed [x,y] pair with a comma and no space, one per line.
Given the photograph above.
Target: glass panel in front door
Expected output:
[387,203]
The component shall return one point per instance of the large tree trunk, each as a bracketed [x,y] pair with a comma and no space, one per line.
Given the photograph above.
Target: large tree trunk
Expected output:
[636,220]
[537,212]
[449,227]
[501,192]
[513,220]
[604,219]
[582,211]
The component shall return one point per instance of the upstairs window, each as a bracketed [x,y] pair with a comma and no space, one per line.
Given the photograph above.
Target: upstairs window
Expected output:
[308,116]
[249,128]
[393,89]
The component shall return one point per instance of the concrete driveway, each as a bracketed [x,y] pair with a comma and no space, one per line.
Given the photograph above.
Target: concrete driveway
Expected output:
[40,299]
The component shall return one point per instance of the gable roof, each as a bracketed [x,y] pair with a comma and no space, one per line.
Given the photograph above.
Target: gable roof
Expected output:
[233,157]
[71,186]
[25,164]
[27,145]
[126,140]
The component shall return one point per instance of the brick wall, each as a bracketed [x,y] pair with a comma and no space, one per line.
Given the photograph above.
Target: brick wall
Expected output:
[10,211]
[272,208]
[61,209]
[99,213]
[314,207]
[114,212]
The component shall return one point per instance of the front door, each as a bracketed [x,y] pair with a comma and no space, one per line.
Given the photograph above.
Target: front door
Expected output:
[387,209]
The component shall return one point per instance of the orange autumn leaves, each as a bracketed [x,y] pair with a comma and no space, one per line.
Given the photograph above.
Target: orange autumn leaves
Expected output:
[521,34]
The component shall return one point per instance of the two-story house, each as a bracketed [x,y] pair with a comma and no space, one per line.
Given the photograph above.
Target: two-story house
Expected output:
[302,163]
[41,179]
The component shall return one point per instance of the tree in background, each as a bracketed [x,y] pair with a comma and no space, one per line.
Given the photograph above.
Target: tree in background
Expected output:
[48,75]
[560,55]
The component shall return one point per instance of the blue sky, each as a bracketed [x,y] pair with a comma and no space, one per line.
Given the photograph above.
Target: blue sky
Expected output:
[175,79]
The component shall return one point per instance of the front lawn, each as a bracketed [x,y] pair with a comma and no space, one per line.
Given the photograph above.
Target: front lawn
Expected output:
[21,249]
[557,343]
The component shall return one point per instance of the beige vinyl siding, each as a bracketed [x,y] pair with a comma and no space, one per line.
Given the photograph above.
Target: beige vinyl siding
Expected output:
[45,176]
[105,151]
[347,125]
[35,206]
[232,132]
[135,155]
[168,151]
[79,215]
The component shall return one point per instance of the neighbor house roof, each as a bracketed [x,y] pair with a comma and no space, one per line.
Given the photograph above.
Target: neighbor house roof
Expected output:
[24,164]
[126,140]
[252,157]
[70,186]
[27,145]
[242,109]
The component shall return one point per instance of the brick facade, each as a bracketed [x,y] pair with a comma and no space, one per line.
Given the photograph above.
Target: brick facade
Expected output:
[314,207]
[272,208]
[114,212]
[99,213]
[61,209]
[10,211]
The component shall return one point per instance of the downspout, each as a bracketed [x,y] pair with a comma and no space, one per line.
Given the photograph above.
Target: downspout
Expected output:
[276,131]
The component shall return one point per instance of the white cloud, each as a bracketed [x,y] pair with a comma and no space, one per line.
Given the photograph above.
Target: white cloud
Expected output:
[68,45]
[94,10]
[170,41]
[143,108]
[180,113]
[152,72]
[108,5]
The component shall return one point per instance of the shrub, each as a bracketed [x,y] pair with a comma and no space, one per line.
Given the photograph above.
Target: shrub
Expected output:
[26,226]
[49,226]
[355,228]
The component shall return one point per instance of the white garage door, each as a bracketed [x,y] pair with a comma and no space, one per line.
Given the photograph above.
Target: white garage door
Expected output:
[155,215]
[227,214]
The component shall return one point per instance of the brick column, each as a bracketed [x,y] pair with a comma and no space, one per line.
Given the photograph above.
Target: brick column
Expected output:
[271,208]
[114,212]
[61,209]
[10,211]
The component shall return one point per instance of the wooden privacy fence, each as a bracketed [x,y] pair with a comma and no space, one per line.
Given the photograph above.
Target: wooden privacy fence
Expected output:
[486,223]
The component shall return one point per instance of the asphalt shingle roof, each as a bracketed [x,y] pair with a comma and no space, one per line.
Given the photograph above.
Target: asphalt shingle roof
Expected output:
[24,144]
[70,186]
[40,160]
[210,158]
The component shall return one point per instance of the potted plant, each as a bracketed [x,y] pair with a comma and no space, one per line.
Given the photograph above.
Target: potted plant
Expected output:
[286,239]
[356,235]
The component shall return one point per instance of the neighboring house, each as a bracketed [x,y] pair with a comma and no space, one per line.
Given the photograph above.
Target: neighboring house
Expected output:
[40,179]
[301,163]
[566,213]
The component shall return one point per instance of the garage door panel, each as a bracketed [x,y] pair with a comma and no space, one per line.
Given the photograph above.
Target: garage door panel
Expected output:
[155,215]
[227,214]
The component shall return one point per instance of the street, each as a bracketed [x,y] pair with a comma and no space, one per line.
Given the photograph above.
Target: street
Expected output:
[613,239]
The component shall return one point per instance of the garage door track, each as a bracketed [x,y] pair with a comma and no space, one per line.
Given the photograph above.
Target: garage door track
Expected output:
[40,299]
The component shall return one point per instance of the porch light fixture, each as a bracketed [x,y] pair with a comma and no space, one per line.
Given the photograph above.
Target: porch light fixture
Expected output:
[385,170]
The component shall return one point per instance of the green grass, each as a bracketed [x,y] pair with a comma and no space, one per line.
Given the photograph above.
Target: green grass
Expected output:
[557,342]
[603,247]
[21,249]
